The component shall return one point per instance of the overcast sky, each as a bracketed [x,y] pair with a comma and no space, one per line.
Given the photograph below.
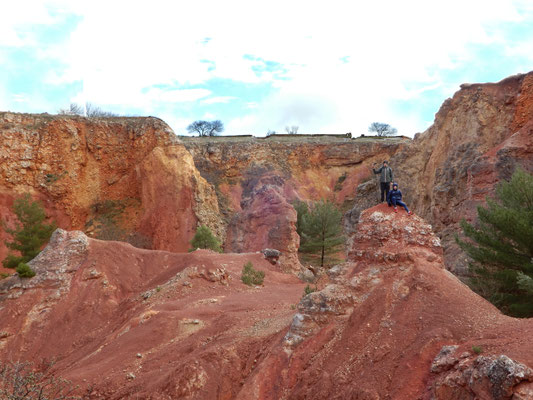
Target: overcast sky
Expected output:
[325,66]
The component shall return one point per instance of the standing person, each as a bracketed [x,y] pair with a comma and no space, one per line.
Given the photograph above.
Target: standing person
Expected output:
[395,198]
[385,179]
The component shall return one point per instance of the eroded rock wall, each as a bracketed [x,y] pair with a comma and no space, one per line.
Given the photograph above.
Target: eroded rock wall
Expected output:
[478,138]
[258,179]
[78,167]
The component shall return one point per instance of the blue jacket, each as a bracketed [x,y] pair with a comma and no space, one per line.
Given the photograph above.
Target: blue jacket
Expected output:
[394,195]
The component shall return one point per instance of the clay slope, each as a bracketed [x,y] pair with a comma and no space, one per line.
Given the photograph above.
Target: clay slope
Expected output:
[393,323]
[131,323]
[378,331]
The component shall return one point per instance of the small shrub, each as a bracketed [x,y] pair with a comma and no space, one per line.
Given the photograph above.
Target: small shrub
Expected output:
[477,349]
[50,179]
[12,261]
[251,276]
[204,239]
[308,289]
[158,289]
[25,271]
[4,275]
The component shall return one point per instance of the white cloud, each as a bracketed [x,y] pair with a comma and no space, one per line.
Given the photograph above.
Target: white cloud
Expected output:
[392,51]
[219,99]
[177,95]
[19,98]
[208,116]
[16,19]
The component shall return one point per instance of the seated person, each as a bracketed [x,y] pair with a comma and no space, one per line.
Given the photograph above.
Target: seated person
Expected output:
[395,198]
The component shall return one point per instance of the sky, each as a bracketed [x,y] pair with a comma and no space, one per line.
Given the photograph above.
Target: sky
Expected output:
[325,66]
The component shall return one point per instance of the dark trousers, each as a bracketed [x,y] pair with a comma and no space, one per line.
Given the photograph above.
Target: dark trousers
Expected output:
[385,187]
[400,203]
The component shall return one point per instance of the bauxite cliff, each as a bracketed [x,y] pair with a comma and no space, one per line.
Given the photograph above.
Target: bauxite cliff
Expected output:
[87,170]
[479,137]
[256,181]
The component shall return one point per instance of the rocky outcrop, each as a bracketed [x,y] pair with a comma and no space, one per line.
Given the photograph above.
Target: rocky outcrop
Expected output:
[176,199]
[312,168]
[257,180]
[378,329]
[478,138]
[266,220]
[468,376]
[127,323]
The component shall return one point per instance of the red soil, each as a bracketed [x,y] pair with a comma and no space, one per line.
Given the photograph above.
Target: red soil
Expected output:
[151,324]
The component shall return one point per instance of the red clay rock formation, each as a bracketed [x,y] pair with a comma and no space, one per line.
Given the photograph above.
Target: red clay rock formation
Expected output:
[75,164]
[310,167]
[141,323]
[176,198]
[377,330]
[478,138]
[267,220]
[392,324]
[257,179]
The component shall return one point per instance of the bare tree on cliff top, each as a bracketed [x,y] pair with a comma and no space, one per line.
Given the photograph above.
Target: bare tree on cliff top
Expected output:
[74,109]
[292,130]
[382,129]
[90,111]
[206,128]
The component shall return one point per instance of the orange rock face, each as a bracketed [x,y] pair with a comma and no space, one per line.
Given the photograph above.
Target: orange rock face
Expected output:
[176,199]
[78,166]
[478,138]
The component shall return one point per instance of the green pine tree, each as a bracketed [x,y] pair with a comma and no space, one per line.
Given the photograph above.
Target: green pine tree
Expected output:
[501,247]
[30,233]
[204,239]
[321,230]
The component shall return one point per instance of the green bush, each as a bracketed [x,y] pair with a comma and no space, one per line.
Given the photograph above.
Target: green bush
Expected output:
[251,276]
[12,261]
[477,349]
[204,239]
[25,271]
[19,380]
[308,289]
[340,181]
[30,233]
